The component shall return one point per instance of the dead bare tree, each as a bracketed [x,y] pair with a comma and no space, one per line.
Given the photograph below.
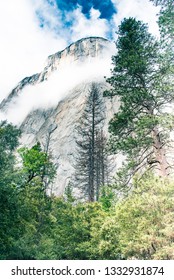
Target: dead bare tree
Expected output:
[90,166]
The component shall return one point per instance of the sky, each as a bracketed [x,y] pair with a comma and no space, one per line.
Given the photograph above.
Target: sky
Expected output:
[31,30]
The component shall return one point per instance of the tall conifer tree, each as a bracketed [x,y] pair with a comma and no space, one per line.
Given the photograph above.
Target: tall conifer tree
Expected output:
[144,86]
[90,167]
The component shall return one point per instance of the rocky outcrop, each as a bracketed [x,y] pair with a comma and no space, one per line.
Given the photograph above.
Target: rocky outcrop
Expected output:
[54,127]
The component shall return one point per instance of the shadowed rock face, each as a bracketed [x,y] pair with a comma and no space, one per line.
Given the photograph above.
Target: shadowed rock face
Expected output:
[54,127]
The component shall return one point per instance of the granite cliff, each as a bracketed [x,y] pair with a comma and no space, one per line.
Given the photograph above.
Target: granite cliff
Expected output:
[52,123]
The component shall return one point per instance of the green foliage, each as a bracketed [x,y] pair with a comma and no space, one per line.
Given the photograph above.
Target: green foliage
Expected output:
[72,233]
[139,225]
[68,193]
[37,172]
[107,197]
[166,16]
[24,204]
[9,135]
[36,226]
[133,68]
[166,26]
[145,220]
[9,212]
[142,225]
[37,164]
[143,84]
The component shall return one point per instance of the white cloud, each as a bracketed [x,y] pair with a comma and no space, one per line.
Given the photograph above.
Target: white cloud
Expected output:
[84,27]
[141,9]
[48,93]
[24,45]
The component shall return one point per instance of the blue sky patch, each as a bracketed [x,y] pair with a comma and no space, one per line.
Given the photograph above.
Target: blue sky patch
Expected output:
[105,7]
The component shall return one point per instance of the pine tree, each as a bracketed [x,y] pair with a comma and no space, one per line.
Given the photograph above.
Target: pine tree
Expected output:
[90,166]
[143,85]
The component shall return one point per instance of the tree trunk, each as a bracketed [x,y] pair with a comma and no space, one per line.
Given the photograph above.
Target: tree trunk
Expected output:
[160,154]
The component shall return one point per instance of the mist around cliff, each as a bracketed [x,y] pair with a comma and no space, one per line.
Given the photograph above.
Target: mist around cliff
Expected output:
[47,94]
[30,30]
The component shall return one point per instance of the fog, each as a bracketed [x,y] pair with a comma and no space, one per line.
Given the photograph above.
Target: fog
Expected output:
[48,93]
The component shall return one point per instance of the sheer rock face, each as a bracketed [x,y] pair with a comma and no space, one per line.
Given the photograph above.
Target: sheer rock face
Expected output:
[54,126]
